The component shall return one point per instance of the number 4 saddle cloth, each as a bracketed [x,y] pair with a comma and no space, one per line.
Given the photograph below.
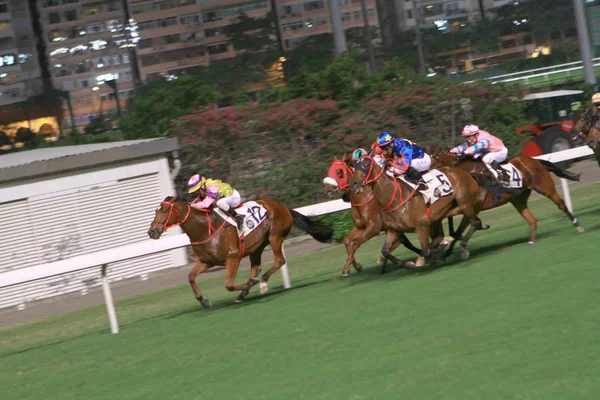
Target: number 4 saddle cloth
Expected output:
[516,178]
[438,185]
[254,214]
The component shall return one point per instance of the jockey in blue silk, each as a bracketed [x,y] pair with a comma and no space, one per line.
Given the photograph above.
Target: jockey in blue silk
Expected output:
[408,158]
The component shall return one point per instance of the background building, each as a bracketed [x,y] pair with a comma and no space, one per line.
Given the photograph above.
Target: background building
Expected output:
[19,68]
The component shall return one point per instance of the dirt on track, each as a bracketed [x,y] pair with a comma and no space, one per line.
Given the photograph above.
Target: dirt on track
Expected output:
[589,170]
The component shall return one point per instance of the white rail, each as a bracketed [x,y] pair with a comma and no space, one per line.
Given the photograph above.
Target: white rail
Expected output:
[105,257]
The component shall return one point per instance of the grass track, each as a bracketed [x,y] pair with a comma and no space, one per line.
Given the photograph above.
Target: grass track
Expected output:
[513,322]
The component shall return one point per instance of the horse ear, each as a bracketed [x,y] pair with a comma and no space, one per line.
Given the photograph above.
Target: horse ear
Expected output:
[346,157]
[334,158]
[428,148]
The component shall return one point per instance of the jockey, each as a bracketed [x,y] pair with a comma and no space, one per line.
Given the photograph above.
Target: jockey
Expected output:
[409,159]
[211,190]
[595,108]
[480,142]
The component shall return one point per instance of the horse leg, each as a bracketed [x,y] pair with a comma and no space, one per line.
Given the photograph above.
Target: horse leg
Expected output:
[550,192]
[520,203]
[353,241]
[231,268]
[476,225]
[255,262]
[457,236]
[464,253]
[276,244]
[423,233]
[391,237]
[199,268]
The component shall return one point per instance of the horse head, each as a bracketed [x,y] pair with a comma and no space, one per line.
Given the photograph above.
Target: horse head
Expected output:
[168,214]
[581,126]
[366,171]
[338,175]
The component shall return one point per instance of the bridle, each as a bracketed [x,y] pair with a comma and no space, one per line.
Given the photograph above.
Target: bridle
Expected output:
[586,126]
[367,180]
[179,221]
[344,181]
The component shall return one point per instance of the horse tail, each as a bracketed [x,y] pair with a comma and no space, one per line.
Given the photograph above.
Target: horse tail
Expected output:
[561,173]
[492,185]
[316,229]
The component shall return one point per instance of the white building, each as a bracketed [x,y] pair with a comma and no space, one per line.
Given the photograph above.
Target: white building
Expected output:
[57,203]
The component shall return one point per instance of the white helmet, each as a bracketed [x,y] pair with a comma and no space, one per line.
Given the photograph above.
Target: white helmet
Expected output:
[596,98]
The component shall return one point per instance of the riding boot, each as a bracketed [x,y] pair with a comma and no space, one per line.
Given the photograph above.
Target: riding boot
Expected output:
[239,219]
[415,177]
[502,174]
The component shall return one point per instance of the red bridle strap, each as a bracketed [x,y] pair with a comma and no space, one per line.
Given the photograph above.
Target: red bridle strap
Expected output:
[346,173]
[397,188]
[166,225]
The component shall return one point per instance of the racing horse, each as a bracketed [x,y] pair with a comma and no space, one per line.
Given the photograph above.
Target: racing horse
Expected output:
[403,211]
[365,213]
[535,175]
[584,129]
[216,242]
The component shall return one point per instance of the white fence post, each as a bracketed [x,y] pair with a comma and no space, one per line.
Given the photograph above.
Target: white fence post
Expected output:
[110,307]
[284,271]
[566,194]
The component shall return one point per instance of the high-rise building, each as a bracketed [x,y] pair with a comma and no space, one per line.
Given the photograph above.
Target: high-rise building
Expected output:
[85,47]
[300,19]
[443,14]
[19,68]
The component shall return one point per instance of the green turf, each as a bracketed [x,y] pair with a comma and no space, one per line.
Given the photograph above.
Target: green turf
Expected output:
[513,322]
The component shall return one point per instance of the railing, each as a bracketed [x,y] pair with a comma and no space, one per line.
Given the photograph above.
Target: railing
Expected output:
[105,257]
[544,75]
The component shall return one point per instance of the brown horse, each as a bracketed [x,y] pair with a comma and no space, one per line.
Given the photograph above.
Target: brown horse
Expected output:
[402,211]
[216,242]
[535,176]
[584,129]
[365,213]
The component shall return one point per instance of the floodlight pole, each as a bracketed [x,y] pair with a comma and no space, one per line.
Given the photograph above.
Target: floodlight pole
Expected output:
[585,49]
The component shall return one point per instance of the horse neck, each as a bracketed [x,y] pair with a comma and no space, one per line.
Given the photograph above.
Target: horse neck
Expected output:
[385,187]
[196,225]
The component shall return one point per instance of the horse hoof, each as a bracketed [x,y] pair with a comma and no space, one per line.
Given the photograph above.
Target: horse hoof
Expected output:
[464,254]
[358,268]
[380,260]
[409,265]
[420,262]
[345,272]
[239,300]
[264,288]
[206,304]
[531,243]
[580,229]
[485,227]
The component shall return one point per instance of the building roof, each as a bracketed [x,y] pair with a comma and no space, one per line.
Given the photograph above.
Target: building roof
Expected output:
[555,93]
[53,160]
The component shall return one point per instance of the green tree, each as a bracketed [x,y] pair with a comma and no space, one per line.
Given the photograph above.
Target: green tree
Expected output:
[151,112]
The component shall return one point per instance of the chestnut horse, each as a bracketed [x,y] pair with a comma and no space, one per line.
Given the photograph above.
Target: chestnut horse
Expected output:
[365,213]
[216,242]
[402,211]
[535,176]
[583,129]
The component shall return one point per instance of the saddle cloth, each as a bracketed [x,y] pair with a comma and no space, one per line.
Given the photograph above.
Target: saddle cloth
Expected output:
[516,178]
[254,214]
[438,185]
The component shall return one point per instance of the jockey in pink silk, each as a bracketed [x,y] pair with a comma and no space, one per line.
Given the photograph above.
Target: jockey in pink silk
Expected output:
[485,145]
[214,190]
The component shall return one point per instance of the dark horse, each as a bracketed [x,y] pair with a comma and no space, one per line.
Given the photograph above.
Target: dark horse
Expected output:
[535,176]
[216,242]
[365,212]
[402,211]
[583,129]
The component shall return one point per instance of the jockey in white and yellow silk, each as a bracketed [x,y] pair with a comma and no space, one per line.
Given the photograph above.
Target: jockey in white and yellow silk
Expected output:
[211,190]
[485,145]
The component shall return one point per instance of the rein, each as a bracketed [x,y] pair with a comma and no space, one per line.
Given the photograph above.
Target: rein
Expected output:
[343,182]
[211,230]
[397,188]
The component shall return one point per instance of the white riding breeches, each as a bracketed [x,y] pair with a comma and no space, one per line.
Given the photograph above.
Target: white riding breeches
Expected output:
[421,164]
[498,156]
[232,201]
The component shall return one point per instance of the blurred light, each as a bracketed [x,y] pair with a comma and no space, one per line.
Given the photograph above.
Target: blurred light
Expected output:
[95,88]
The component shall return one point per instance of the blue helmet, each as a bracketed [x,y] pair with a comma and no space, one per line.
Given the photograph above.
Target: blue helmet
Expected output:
[384,139]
